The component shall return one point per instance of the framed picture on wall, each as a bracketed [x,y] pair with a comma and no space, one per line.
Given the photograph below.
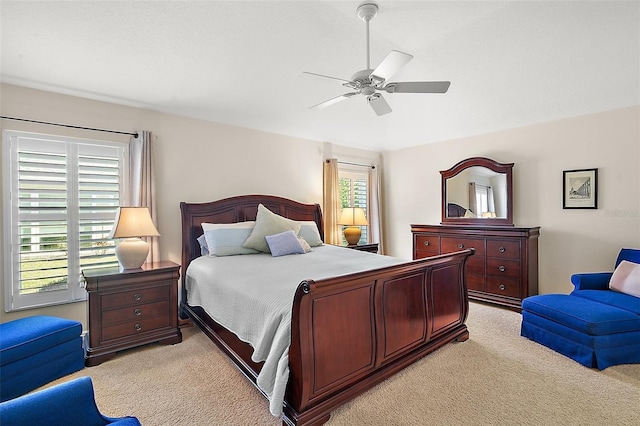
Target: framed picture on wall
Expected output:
[580,189]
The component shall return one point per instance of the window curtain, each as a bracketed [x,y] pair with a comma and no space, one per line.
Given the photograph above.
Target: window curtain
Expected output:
[142,184]
[375,207]
[473,203]
[490,202]
[331,202]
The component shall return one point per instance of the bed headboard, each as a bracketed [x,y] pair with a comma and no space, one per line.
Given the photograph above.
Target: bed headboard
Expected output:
[237,209]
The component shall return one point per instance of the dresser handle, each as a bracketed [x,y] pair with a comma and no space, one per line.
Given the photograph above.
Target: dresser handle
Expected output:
[460,246]
[503,287]
[138,327]
[502,268]
[426,243]
[501,250]
[137,296]
[137,312]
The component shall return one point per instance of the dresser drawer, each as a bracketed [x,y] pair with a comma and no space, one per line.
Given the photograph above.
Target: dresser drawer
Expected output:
[503,268]
[135,327]
[503,249]
[429,243]
[421,254]
[475,282]
[135,312]
[509,287]
[475,266]
[117,300]
[450,245]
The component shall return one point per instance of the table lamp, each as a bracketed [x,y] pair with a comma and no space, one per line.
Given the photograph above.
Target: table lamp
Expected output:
[353,217]
[132,223]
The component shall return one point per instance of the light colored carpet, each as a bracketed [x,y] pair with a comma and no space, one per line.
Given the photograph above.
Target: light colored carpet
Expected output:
[494,378]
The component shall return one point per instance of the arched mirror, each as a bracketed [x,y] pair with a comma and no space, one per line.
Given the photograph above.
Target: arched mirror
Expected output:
[479,191]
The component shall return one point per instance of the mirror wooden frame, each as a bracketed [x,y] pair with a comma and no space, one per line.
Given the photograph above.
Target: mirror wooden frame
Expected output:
[506,168]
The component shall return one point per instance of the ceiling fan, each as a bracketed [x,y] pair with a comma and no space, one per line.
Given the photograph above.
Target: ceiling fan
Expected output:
[369,82]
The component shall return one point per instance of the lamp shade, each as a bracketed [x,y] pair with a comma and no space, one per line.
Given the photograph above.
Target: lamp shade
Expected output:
[133,222]
[130,224]
[352,216]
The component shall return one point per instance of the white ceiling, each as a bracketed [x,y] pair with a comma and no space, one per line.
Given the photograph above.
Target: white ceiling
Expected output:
[511,63]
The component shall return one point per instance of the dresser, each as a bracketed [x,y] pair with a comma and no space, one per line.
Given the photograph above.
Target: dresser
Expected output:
[131,308]
[504,268]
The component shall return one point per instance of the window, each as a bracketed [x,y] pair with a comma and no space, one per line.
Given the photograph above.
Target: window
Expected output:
[60,201]
[484,200]
[354,192]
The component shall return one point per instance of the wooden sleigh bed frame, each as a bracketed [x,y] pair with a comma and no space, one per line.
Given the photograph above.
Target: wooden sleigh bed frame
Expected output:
[348,333]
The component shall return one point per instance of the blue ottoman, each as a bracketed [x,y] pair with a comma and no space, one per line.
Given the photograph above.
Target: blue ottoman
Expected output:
[36,350]
[594,334]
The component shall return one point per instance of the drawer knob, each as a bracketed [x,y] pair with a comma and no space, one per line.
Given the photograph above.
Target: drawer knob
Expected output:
[137,296]
[502,268]
[137,312]
[501,249]
[460,246]
[426,243]
[503,287]
[138,327]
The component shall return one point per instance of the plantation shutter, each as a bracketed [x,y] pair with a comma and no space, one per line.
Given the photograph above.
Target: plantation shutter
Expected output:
[63,198]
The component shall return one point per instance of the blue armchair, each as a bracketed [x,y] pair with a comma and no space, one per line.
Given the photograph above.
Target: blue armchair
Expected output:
[600,280]
[67,404]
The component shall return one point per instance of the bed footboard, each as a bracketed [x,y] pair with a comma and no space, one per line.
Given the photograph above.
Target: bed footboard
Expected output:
[351,332]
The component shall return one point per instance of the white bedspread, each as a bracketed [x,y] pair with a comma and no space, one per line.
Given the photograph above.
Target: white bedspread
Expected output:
[252,295]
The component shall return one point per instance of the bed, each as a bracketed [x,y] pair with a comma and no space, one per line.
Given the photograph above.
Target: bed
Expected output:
[347,332]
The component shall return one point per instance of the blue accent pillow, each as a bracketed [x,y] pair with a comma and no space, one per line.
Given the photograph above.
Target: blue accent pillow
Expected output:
[284,243]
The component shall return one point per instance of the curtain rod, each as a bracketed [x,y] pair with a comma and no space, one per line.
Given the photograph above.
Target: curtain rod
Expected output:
[68,125]
[354,164]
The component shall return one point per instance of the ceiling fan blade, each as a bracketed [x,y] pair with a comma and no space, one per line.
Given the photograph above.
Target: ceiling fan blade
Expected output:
[326,76]
[333,100]
[417,87]
[390,65]
[379,105]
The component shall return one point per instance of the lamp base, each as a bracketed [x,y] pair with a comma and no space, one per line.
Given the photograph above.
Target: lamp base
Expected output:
[131,253]
[352,235]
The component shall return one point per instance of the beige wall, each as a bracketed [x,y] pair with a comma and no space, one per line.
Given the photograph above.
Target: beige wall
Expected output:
[570,240]
[194,160]
[200,161]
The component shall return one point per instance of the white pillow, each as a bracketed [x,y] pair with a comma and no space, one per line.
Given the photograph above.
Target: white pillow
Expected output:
[284,243]
[626,278]
[304,244]
[268,223]
[309,231]
[226,239]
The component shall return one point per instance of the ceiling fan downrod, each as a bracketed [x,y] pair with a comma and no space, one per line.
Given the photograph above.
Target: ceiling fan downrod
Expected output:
[366,12]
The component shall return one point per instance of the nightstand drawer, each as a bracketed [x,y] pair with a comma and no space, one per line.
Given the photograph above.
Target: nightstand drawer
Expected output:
[134,327]
[135,312]
[118,300]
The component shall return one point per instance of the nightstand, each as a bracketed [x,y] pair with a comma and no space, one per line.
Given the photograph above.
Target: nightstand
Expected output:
[131,308]
[371,248]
